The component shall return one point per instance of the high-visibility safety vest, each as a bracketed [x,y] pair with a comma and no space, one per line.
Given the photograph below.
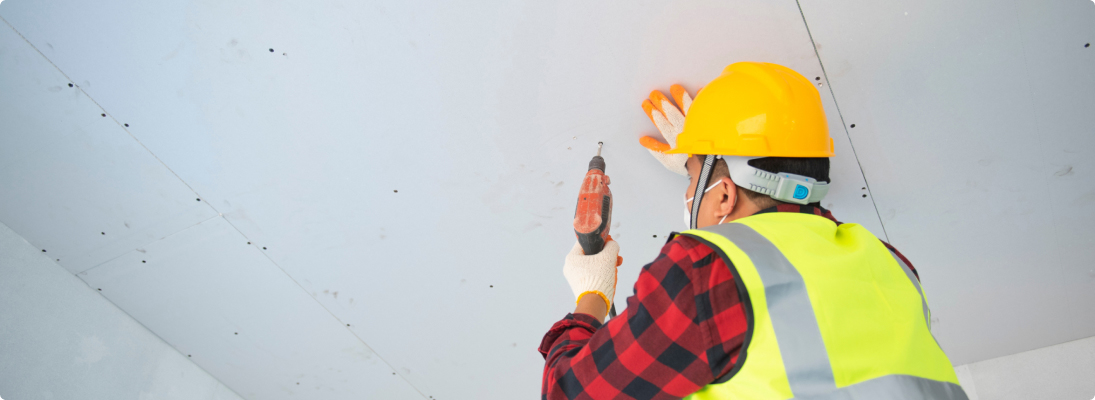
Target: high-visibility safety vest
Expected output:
[833,314]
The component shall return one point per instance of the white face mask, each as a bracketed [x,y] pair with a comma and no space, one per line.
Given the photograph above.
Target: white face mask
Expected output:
[688,210]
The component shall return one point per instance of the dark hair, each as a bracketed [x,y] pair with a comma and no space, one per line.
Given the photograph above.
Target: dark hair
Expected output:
[817,168]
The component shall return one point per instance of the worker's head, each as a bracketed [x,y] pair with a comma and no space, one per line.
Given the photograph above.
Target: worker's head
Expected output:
[724,201]
[767,125]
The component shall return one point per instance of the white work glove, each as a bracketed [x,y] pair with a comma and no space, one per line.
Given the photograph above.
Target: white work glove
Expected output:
[669,119]
[593,274]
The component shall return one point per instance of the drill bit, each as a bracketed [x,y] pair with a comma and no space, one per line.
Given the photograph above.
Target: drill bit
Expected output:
[598,162]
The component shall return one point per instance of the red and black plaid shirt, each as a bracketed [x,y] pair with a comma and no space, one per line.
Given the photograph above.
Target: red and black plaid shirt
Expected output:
[681,330]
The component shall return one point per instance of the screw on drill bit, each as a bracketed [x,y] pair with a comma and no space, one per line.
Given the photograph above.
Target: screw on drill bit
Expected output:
[597,162]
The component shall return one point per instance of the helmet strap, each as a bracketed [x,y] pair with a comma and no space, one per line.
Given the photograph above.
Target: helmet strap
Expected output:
[782,186]
[701,185]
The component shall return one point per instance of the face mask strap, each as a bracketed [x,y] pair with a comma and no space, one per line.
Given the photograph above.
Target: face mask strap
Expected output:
[704,179]
[713,185]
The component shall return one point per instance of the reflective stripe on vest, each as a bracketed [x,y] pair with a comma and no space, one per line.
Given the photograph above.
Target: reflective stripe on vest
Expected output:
[804,357]
[805,360]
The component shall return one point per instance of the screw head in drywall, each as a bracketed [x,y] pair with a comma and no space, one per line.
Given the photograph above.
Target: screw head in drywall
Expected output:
[864,196]
[853,125]
[817,79]
[271,50]
[395,191]
[103,114]
[70,85]
[347,324]
[236,333]
[1086,45]
[126,125]
[144,262]
[491,285]
[248,242]
[198,199]
[188,355]
[264,247]
[43,250]
[103,233]
[100,289]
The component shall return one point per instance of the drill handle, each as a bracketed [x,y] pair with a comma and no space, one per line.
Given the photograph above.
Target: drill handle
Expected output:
[594,241]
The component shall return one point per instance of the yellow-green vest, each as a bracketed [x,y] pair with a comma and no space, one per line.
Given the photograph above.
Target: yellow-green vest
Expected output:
[833,314]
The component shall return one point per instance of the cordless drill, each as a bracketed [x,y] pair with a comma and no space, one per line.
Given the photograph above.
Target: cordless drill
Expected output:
[593,216]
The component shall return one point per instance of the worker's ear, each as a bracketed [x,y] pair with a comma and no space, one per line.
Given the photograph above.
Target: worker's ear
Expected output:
[729,198]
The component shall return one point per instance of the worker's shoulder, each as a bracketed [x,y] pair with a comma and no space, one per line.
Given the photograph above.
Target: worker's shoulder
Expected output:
[901,257]
[685,248]
[683,241]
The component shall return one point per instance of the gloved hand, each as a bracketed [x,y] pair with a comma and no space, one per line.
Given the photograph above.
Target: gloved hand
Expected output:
[669,119]
[595,273]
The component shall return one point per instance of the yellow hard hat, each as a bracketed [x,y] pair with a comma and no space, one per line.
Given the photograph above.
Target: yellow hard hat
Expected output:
[756,110]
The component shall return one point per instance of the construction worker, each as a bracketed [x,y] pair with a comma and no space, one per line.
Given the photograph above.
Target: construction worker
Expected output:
[766,296]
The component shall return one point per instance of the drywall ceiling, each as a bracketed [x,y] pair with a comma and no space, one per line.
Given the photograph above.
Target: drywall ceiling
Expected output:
[347,200]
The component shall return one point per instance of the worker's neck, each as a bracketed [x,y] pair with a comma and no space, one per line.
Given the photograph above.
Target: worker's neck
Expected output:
[742,209]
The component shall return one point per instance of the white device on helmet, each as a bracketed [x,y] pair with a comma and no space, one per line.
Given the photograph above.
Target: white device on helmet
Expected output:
[781,186]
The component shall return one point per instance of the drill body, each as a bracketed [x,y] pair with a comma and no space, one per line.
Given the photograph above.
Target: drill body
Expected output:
[593,216]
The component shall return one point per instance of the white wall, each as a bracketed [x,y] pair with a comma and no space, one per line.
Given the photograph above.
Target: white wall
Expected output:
[1062,372]
[59,339]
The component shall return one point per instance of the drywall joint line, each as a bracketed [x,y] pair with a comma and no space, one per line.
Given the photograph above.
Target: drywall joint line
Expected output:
[219,214]
[340,321]
[119,123]
[84,272]
[842,123]
[165,166]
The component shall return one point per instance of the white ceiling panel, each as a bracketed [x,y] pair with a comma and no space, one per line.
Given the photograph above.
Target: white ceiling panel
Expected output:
[223,303]
[975,127]
[412,168]
[75,183]
[415,167]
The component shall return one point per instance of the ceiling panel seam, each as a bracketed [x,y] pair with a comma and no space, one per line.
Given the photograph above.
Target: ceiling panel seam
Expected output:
[119,123]
[157,335]
[165,166]
[219,215]
[169,344]
[333,315]
[145,245]
[843,124]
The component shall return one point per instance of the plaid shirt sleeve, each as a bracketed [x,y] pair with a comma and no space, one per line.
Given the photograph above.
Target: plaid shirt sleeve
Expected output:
[682,329]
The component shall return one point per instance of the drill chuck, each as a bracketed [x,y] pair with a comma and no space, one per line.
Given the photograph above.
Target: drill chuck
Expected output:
[597,163]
